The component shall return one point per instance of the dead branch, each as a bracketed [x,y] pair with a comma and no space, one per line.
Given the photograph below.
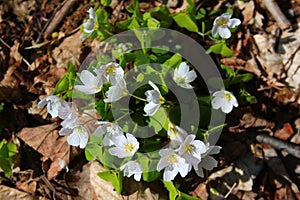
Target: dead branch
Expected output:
[292,149]
[275,11]
[59,17]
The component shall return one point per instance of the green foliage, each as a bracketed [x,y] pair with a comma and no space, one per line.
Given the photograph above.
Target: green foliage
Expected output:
[175,194]
[115,177]
[67,82]
[185,20]
[159,120]
[7,153]
[220,48]
[105,2]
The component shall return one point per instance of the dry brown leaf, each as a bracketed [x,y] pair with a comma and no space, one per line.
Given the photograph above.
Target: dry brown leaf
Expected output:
[91,186]
[46,140]
[14,52]
[285,132]
[247,10]
[28,187]
[11,193]
[201,191]
[68,51]
[239,175]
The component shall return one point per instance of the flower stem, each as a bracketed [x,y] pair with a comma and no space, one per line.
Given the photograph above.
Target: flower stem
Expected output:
[139,98]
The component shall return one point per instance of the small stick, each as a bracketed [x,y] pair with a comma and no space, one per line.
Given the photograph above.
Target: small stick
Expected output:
[279,144]
[275,11]
[59,17]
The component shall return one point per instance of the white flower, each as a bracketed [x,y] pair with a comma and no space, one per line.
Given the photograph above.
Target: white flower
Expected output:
[91,84]
[222,24]
[191,150]
[78,136]
[207,162]
[124,146]
[116,91]
[172,164]
[224,100]
[183,77]
[89,25]
[54,104]
[69,113]
[154,98]
[132,167]
[176,135]
[109,130]
[111,72]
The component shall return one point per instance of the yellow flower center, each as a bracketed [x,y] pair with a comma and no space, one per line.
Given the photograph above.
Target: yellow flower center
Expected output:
[228,96]
[180,79]
[97,88]
[129,147]
[188,148]
[222,22]
[172,158]
[110,70]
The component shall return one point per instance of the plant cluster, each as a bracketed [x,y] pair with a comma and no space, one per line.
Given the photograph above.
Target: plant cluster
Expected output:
[164,148]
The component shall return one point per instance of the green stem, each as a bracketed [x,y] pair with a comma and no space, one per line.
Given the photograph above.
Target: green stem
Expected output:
[139,98]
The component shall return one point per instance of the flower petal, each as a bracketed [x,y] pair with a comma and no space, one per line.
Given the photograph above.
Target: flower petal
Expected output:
[208,163]
[224,32]
[151,108]
[169,174]
[234,22]
[191,76]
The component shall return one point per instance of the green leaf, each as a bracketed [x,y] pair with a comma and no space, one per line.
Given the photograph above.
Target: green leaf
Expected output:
[93,149]
[220,48]
[185,20]
[173,193]
[7,153]
[174,61]
[67,82]
[113,176]
[163,15]
[102,16]
[159,120]
[134,8]
[140,78]
[239,78]
[185,196]
[105,2]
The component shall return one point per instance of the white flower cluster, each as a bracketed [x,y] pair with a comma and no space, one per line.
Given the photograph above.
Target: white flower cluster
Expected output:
[111,72]
[70,124]
[184,153]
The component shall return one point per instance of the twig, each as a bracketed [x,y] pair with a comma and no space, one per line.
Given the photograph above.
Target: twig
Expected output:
[231,189]
[59,17]
[9,47]
[279,144]
[275,11]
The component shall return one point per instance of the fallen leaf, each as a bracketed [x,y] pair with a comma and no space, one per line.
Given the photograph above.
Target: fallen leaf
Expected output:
[28,187]
[11,193]
[247,10]
[240,174]
[201,191]
[46,140]
[14,52]
[68,51]
[285,132]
